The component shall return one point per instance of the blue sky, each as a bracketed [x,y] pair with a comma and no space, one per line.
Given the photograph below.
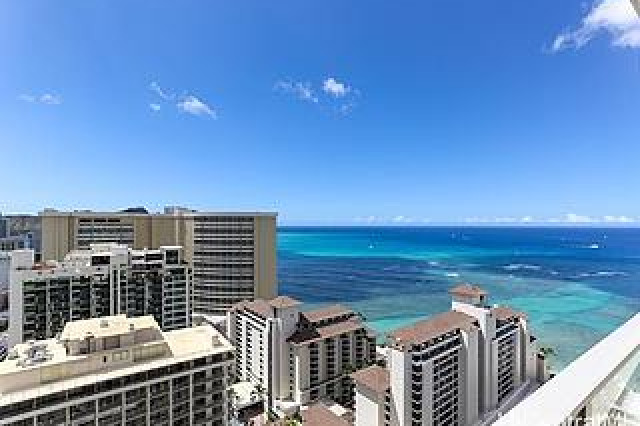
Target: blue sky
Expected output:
[326,111]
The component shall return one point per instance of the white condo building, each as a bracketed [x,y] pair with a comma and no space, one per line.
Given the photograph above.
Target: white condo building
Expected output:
[106,279]
[118,371]
[454,369]
[298,357]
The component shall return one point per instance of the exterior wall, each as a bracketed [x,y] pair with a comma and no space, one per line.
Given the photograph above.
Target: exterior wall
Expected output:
[400,382]
[177,394]
[234,255]
[42,301]
[369,408]
[265,257]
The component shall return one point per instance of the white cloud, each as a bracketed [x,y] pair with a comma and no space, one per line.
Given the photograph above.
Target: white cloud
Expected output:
[299,89]
[194,106]
[619,219]
[616,17]
[155,87]
[576,218]
[45,99]
[334,88]
[154,107]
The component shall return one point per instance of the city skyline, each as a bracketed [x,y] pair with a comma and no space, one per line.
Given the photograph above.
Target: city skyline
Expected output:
[421,114]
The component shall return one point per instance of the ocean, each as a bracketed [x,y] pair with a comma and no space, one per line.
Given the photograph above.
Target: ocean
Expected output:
[575,284]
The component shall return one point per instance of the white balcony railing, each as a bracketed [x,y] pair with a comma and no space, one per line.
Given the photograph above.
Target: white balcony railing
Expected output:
[591,390]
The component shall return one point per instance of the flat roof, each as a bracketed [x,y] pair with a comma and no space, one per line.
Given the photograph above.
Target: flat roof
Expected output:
[91,213]
[184,344]
[579,382]
[106,326]
[425,330]
[374,377]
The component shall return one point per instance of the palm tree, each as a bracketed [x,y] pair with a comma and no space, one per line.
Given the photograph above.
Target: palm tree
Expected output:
[547,351]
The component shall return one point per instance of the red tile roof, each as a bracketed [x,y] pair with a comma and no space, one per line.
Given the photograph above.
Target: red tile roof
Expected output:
[327,313]
[425,330]
[468,290]
[319,333]
[375,378]
[320,415]
[505,312]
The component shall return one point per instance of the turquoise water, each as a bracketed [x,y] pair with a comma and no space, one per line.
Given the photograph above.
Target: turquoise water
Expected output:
[577,285]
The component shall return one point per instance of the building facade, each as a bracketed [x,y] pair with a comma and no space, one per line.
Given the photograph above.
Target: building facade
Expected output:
[298,357]
[118,371]
[233,254]
[106,279]
[453,369]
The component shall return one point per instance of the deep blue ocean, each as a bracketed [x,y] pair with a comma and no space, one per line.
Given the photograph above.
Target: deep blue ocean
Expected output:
[576,284]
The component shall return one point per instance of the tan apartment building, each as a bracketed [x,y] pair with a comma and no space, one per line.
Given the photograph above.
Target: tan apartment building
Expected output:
[118,371]
[233,254]
[299,357]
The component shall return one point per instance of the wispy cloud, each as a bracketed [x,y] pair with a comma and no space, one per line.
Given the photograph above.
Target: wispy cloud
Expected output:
[45,99]
[155,87]
[568,218]
[615,17]
[188,103]
[194,106]
[329,94]
[619,219]
[302,90]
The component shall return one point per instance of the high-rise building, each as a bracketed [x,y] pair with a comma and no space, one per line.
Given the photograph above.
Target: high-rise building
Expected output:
[118,371]
[453,369]
[233,254]
[106,279]
[298,357]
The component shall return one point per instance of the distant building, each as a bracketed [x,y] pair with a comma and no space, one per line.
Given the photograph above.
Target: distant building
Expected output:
[21,232]
[298,357]
[118,371]
[106,279]
[452,369]
[233,254]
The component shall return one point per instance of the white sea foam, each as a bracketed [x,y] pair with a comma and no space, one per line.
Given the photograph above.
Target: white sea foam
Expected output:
[521,267]
[603,274]
[452,274]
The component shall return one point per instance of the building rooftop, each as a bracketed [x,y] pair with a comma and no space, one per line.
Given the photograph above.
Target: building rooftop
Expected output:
[319,414]
[425,330]
[55,370]
[505,312]
[468,290]
[283,302]
[318,333]
[106,327]
[141,211]
[375,378]
[327,313]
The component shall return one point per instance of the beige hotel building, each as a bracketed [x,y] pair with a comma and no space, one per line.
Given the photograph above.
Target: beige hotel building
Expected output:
[233,255]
